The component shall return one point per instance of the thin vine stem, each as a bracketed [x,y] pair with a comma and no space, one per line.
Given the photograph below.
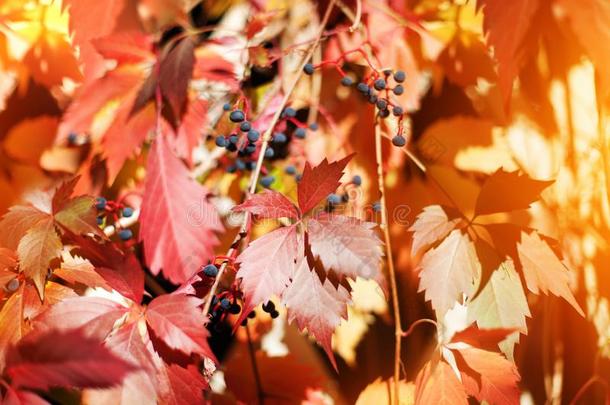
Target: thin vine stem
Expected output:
[260,394]
[265,142]
[390,261]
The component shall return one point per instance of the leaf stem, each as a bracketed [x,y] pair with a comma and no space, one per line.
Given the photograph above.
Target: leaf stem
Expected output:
[392,273]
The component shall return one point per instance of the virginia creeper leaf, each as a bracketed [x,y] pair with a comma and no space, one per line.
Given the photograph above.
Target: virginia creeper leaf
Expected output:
[318,182]
[269,204]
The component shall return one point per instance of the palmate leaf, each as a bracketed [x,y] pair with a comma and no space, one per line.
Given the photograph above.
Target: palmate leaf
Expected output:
[318,182]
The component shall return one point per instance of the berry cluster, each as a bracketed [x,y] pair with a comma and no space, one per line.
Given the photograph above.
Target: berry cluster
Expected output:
[109,213]
[245,139]
[335,199]
[376,87]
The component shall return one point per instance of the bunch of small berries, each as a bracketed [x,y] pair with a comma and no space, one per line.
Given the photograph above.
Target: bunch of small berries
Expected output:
[109,212]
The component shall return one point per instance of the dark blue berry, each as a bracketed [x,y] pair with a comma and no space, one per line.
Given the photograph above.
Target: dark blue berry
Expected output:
[231,147]
[245,126]
[298,177]
[253,135]
[346,81]
[384,113]
[399,141]
[269,153]
[233,139]
[127,212]
[72,138]
[267,181]
[314,126]
[240,164]
[125,234]
[279,137]
[379,84]
[357,180]
[221,141]
[214,300]
[274,314]
[300,133]
[290,170]
[269,306]
[373,98]
[237,116]
[226,107]
[333,199]
[290,112]
[100,203]
[398,90]
[400,76]
[250,149]
[308,69]
[225,303]
[363,88]
[381,104]
[250,165]
[210,270]
[235,309]
[397,111]
[377,206]
[100,220]
[251,314]
[231,169]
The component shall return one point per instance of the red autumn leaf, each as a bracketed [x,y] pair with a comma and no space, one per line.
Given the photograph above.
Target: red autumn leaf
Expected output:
[506,26]
[19,397]
[138,387]
[213,67]
[37,248]
[125,47]
[185,385]
[498,195]
[175,72]
[430,226]
[487,339]
[75,269]
[177,220]
[494,379]
[437,384]
[179,322]
[64,359]
[126,276]
[94,316]
[269,204]
[316,306]
[318,182]
[189,133]
[543,271]
[346,245]
[268,264]
[89,20]
[448,271]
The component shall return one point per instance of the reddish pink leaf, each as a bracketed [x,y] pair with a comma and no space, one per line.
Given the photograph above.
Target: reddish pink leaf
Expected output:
[212,67]
[318,182]
[495,380]
[269,204]
[177,220]
[94,316]
[179,322]
[184,385]
[126,277]
[139,387]
[125,47]
[64,359]
[191,128]
[316,306]
[506,25]
[88,20]
[487,339]
[175,73]
[267,265]
[346,245]
[18,397]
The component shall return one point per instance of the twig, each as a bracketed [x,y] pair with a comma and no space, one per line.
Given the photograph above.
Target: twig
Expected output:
[594,379]
[266,137]
[257,378]
[123,222]
[419,322]
[392,273]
